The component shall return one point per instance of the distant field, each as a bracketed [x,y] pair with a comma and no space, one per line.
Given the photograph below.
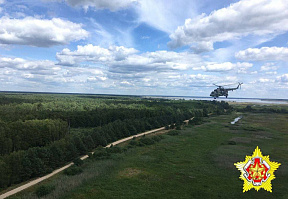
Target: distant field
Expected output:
[197,163]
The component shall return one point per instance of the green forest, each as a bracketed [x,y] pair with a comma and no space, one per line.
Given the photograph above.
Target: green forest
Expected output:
[41,132]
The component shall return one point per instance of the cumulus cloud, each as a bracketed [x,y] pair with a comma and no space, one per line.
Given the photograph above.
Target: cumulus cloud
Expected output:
[257,17]
[202,47]
[42,67]
[265,80]
[268,67]
[263,54]
[112,5]
[127,60]
[40,32]
[283,78]
[46,74]
[227,66]
[96,54]
[158,61]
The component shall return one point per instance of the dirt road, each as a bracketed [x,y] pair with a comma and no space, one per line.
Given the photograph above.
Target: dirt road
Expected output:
[36,181]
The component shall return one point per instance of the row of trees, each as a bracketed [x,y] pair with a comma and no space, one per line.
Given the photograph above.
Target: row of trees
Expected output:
[262,109]
[23,165]
[22,135]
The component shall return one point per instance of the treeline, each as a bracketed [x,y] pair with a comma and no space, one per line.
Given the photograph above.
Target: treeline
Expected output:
[22,135]
[23,165]
[249,108]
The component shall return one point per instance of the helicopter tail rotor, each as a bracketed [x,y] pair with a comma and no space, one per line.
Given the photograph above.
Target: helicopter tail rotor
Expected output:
[240,84]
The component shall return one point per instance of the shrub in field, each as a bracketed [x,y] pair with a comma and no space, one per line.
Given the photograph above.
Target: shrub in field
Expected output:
[147,141]
[178,127]
[156,138]
[73,170]
[232,142]
[133,142]
[140,144]
[78,162]
[173,133]
[44,190]
[196,121]
[115,149]
[101,154]
[90,155]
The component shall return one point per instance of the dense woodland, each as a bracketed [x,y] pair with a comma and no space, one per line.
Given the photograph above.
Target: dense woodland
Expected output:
[41,132]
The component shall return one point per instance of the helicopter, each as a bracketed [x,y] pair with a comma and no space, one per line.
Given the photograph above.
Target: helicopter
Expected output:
[221,91]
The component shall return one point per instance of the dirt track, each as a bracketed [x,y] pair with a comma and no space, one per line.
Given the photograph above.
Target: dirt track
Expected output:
[36,181]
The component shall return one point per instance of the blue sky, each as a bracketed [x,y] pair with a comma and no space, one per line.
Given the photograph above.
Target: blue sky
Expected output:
[144,47]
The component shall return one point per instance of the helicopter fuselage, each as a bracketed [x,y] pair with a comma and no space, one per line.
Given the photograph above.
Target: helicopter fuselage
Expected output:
[221,91]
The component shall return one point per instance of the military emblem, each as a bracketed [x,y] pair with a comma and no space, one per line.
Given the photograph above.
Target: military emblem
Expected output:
[257,171]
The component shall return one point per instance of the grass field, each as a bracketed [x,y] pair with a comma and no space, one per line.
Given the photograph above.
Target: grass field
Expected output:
[197,163]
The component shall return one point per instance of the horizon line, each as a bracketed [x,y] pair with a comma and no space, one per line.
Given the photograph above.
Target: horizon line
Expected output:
[134,95]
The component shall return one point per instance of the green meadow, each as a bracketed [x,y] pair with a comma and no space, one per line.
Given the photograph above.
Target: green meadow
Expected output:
[196,162]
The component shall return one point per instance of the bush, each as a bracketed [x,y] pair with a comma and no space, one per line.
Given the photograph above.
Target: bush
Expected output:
[73,170]
[133,143]
[196,121]
[231,142]
[178,127]
[101,154]
[44,190]
[115,149]
[90,155]
[161,137]
[146,141]
[140,144]
[78,162]
[173,133]
[156,138]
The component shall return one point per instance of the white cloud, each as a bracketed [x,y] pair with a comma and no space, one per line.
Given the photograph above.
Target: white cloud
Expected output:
[40,32]
[25,74]
[96,54]
[202,47]
[44,67]
[283,78]
[158,61]
[112,5]
[127,60]
[246,17]
[227,66]
[268,66]
[265,80]
[271,73]
[165,15]
[263,54]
